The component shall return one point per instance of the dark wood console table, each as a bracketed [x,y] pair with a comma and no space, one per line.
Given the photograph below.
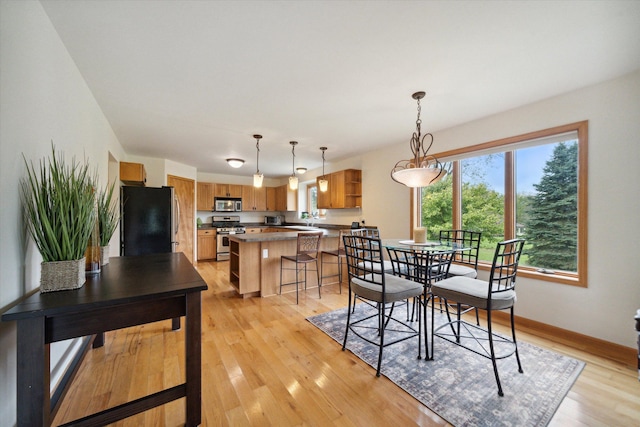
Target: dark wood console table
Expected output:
[129,291]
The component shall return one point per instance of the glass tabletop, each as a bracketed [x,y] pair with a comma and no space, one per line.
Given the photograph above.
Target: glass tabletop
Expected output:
[431,246]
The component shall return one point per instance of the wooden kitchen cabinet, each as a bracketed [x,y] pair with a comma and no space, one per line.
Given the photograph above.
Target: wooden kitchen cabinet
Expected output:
[243,272]
[286,199]
[133,174]
[251,230]
[324,197]
[271,199]
[206,245]
[228,190]
[254,199]
[345,190]
[206,192]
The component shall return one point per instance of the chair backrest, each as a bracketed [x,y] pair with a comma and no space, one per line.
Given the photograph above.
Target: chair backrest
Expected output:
[505,266]
[340,240]
[425,267]
[309,243]
[366,232]
[364,258]
[466,238]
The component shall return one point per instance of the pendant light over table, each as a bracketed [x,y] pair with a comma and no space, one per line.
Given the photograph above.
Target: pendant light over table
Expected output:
[422,169]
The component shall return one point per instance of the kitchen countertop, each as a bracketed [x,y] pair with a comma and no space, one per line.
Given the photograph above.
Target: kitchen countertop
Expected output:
[281,235]
[298,226]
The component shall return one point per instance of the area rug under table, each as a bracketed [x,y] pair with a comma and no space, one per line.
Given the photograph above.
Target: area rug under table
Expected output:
[460,385]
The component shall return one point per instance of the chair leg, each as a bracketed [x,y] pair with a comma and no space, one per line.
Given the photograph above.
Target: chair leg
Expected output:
[420,326]
[280,277]
[305,276]
[493,354]
[340,272]
[427,356]
[381,314]
[346,332]
[319,281]
[513,334]
[433,322]
[297,277]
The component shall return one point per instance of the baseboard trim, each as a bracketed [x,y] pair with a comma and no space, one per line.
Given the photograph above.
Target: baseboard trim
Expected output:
[627,356]
[63,386]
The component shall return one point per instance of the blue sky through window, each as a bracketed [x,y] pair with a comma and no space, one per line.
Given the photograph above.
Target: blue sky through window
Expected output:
[530,163]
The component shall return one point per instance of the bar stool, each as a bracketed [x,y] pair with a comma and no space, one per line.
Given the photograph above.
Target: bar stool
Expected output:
[339,255]
[306,253]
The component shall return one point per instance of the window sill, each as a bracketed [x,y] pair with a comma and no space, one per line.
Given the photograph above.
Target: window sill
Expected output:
[528,272]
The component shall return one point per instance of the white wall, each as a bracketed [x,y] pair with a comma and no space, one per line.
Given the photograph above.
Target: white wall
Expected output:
[44,98]
[606,308]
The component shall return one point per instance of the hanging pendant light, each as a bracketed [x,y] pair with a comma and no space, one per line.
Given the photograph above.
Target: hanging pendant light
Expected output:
[293,179]
[257,177]
[323,183]
[423,169]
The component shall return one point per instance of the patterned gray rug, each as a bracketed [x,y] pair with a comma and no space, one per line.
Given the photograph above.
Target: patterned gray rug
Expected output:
[459,385]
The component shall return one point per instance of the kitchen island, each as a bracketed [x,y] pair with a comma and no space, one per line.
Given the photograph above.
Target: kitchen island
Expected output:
[254,260]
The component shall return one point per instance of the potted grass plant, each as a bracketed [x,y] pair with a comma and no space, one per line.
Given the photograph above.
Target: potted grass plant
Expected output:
[58,201]
[108,217]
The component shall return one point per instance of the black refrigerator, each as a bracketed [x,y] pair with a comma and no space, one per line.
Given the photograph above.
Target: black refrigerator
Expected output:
[148,220]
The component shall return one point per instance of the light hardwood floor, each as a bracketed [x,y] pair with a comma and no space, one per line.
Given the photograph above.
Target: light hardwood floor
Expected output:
[263,364]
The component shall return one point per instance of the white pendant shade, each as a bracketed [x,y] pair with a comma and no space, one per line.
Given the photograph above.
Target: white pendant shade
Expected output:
[324,185]
[257,180]
[293,182]
[418,177]
[422,169]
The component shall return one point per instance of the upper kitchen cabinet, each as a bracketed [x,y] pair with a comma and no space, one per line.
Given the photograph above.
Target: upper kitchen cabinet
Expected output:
[345,190]
[324,197]
[286,199]
[254,199]
[271,199]
[228,190]
[205,196]
[133,174]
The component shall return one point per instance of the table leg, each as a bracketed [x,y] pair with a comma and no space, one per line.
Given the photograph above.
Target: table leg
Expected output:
[98,341]
[175,323]
[193,330]
[33,374]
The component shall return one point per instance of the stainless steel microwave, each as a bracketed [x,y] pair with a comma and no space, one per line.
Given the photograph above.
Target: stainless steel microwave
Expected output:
[273,220]
[225,204]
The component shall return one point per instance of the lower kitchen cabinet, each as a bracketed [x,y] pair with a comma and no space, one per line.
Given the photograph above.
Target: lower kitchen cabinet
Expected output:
[206,245]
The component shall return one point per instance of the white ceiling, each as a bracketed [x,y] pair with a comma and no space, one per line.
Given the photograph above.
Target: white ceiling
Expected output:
[192,81]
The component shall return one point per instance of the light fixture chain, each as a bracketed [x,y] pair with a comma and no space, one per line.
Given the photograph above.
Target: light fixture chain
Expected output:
[418,120]
[257,156]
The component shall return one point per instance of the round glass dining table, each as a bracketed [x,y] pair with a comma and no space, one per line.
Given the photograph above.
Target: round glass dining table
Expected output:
[428,246]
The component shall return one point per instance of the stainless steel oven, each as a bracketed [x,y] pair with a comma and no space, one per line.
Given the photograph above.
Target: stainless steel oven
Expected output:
[225,226]
[222,253]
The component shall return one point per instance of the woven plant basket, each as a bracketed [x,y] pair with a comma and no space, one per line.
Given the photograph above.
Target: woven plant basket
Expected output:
[104,255]
[62,275]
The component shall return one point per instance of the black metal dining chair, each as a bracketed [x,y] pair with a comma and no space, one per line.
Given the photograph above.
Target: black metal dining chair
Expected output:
[465,263]
[424,267]
[498,293]
[369,282]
